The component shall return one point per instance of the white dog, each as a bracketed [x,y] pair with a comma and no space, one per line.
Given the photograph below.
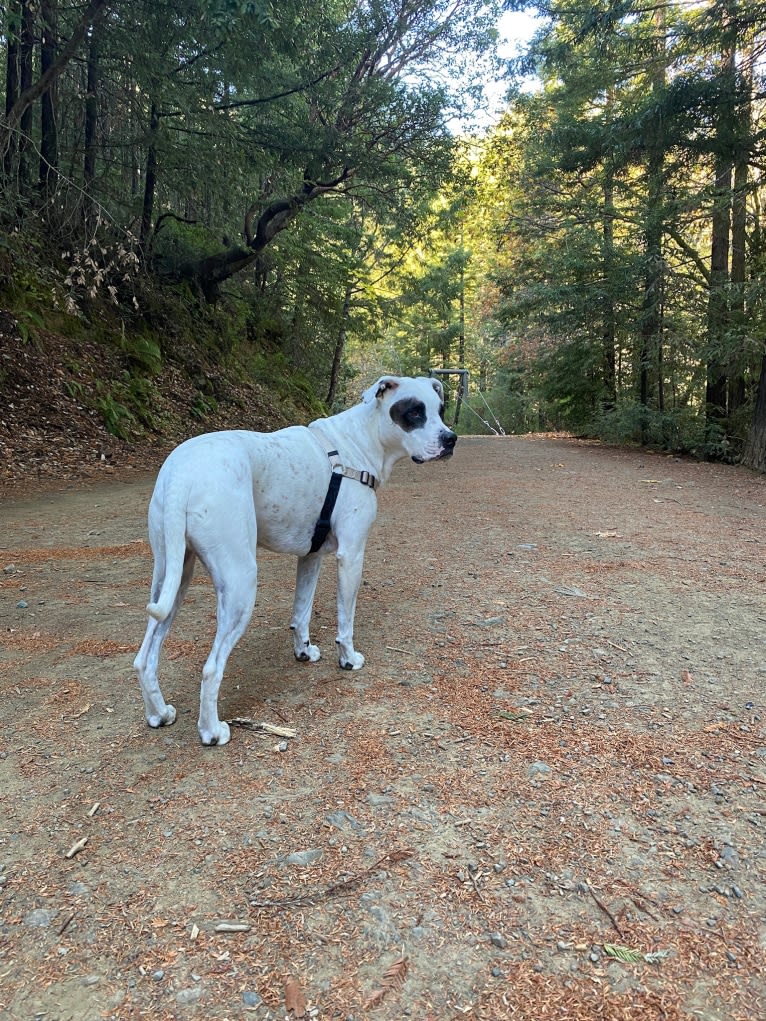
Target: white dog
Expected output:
[219,495]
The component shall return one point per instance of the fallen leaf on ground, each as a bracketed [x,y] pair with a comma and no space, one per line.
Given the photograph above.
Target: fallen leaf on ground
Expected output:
[393,980]
[295,1000]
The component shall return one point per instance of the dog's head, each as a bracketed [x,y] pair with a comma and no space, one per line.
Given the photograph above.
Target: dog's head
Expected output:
[411,416]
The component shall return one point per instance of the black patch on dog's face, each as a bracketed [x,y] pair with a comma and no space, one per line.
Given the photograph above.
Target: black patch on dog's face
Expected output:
[409,414]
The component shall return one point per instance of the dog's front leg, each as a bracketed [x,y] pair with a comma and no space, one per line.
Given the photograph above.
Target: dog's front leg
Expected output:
[350,563]
[306,579]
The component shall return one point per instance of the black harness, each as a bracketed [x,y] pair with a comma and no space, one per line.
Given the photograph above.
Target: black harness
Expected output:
[322,527]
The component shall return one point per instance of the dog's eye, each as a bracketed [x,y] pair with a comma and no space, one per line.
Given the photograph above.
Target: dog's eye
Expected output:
[409,414]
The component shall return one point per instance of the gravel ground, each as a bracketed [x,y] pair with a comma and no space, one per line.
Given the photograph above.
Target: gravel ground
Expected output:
[543,796]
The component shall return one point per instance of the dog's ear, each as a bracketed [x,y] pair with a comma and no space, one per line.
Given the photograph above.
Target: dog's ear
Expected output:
[383,385]
[437,385]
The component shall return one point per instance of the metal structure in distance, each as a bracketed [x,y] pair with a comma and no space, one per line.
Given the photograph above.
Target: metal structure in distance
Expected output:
[462,387]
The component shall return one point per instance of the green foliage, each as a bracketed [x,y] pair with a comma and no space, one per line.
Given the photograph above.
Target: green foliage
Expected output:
[568,381]
[142,352]
[126,405]
[294,389]
[27,321]
[203,406]
[681,431]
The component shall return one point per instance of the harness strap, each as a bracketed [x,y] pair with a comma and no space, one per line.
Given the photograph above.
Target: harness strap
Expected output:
[339,472]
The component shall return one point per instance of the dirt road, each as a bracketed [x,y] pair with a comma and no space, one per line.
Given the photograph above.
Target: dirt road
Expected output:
[542,798]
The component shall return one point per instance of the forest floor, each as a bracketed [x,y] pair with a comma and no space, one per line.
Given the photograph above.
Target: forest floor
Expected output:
[542,798]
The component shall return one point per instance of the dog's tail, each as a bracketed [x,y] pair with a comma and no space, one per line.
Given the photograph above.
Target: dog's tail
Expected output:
[173,539]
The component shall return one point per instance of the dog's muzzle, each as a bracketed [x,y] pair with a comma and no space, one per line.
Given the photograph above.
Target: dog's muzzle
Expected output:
[448,439]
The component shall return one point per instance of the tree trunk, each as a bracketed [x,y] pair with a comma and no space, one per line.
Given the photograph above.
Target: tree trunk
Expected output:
[754,455]
[150,181]
[718,315]
[736,394]
[209,273]
[718,308]
[460,397]
[48,129]
[650,357]
[28,96]
[26,53]
[340,344]
[608,329]
[91,111]
[12,82]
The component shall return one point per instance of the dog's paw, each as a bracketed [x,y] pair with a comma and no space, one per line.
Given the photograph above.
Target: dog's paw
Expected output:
[221,734]
[163,719]
[308,653]
[355,661]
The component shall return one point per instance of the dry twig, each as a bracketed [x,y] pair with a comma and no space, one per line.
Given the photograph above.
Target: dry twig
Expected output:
[338,889]
[604,908]
[76,847]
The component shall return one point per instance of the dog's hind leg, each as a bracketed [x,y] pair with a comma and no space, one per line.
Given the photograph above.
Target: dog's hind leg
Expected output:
[236,591]
[158,712]
[307,576]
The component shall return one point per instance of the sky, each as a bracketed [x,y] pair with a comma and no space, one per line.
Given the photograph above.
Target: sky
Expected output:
[516,29]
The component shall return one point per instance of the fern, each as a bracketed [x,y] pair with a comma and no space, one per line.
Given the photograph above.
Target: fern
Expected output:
[624,954]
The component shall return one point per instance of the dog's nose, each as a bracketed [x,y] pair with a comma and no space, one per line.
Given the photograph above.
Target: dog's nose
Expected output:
[449,439]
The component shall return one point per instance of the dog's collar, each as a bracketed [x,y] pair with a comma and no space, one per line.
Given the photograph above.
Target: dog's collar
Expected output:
[339,472]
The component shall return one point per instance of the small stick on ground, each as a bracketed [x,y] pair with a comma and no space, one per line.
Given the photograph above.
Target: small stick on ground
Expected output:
[76,848]
[605,909]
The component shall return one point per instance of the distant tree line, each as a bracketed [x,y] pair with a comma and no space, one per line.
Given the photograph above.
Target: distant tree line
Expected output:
[629,291]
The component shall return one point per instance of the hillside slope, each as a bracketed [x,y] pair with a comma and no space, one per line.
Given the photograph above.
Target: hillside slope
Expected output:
[57,393]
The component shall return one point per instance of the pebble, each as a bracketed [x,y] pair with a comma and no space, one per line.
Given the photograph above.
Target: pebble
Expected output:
[158,975]
[343,820]
[728,854]
[9,569]
[497,939]
[377,800]
[40,918]
[303,857]
[22,604]
[189,995]
[251,999]
[538,769]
